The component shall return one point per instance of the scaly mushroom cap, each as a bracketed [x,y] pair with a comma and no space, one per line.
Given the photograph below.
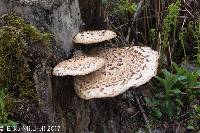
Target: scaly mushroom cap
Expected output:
[90,37]
[80,64]
[125,67]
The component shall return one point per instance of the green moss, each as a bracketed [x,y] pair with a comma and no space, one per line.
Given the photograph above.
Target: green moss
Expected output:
[15,38]
[170,23]
[182,37]
[126,6]
[4,113]
[194,28]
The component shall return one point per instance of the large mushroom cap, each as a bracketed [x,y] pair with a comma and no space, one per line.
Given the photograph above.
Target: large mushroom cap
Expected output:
[80,64]
[125,67]
[89,37]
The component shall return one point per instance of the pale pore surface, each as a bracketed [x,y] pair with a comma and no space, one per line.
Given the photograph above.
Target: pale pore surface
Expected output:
[80,64]
[90,37]
[125,67]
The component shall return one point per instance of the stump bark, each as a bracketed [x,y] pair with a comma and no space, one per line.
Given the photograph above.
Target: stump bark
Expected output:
[58,104]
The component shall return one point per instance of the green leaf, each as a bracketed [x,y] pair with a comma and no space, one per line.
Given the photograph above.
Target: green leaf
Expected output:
[158,113]
[147,100]
[198,72]
[160,79]
[11,123]
[175,91]
[191,127]
[196,85]
[166,73]
[179,102]
[168,107]
[180,78]
[197,108]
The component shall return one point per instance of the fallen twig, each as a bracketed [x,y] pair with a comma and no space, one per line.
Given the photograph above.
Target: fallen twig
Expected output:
[143,112]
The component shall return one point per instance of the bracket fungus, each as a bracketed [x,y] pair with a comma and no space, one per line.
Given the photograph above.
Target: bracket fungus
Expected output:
[125,67]
[80,64]
[90,37]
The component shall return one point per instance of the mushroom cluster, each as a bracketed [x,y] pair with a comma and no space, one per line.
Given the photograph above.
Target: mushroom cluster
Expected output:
[107,72]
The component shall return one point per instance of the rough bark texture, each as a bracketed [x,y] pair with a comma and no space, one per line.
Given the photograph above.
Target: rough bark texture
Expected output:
[58,103]
[62,19]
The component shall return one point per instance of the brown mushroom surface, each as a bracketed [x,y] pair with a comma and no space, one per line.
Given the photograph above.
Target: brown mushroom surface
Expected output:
[125,67]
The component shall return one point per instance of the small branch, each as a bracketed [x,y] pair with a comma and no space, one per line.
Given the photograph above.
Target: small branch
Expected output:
[142,111]
[177,129]
[183,23]
[138,11]
[119,27]
[129,34]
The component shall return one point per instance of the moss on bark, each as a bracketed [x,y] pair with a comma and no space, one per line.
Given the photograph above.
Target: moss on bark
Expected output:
[16,36]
